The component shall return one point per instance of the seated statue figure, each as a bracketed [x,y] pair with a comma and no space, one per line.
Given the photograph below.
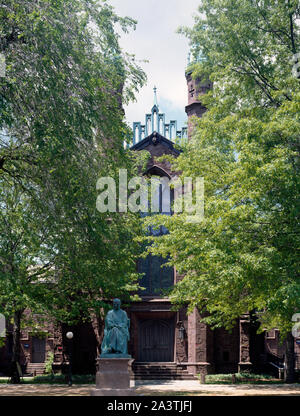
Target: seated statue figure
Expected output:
[116,331]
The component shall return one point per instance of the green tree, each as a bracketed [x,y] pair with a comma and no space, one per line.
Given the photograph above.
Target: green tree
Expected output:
[27,254]
[66,78]
[62,127]
[244,255]
[96,252]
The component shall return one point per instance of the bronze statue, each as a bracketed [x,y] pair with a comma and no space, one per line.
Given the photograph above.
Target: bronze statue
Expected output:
[116,332]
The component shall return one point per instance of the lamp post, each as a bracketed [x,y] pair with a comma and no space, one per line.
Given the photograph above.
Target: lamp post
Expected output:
[70,335]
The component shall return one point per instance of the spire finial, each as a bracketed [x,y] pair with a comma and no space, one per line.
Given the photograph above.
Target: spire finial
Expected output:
[155,96]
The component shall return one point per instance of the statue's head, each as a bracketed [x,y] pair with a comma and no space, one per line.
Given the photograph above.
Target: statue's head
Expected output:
[116,304]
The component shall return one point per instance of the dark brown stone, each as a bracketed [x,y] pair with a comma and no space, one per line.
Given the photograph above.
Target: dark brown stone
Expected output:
[195,109]
[113,392]
[113,377]
[199,351]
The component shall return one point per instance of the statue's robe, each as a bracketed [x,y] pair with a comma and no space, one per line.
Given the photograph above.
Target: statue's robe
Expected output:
[116,334]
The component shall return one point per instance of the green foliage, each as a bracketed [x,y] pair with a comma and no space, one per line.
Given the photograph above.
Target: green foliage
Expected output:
[244,255]
[25,259]
[55,379]
[61,128]
[48,363]
[240,378]
[62,379]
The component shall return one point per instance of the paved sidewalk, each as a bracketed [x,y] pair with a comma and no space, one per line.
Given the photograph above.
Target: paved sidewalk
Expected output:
[194,388]
[158,387]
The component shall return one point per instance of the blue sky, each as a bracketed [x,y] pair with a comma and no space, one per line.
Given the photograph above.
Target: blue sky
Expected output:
[155,39]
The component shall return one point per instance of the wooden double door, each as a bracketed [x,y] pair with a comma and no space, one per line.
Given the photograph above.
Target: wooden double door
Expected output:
[156,340]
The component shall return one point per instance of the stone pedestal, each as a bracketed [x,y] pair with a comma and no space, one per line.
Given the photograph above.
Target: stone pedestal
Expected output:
[113,377]
[200,345]
[245,362]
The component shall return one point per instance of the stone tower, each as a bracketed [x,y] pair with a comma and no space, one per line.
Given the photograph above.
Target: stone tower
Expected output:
[196,88]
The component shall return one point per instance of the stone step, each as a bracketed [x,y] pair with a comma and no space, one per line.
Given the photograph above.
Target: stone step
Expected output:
[140,373]
[34,365]
[137,371]
[155,364]
[157,367]
[35,368]
[158,375]
[153,367]
[162,377]
[160,371]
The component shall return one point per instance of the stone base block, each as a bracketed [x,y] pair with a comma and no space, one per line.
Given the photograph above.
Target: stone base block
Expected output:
[116,355]
[245,366]
[202,368]
[113,392]
[113,377]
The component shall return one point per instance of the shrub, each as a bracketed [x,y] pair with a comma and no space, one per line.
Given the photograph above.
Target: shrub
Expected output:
[244,377]
[48,363]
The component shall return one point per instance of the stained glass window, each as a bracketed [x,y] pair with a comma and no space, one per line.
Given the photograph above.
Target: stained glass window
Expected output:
[155,277]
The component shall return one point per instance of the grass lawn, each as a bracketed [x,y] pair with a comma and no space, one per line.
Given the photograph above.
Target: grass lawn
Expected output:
[236,378]
[54,379]
[241,378]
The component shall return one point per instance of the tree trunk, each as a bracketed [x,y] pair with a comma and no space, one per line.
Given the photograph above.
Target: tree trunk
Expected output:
[97,322]
[16,353]
[289,361]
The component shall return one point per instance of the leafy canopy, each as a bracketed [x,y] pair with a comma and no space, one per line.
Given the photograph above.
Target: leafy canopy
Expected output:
[244,255]
[62,127]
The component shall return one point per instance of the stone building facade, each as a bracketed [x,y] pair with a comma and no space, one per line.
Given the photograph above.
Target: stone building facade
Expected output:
[163,342]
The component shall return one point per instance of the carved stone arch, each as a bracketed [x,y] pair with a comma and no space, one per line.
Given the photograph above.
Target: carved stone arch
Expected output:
[156,170]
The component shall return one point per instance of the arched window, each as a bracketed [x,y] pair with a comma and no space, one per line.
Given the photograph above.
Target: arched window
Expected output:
[155,277]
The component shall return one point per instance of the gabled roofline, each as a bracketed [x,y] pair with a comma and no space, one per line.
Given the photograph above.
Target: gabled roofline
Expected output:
[154,139]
